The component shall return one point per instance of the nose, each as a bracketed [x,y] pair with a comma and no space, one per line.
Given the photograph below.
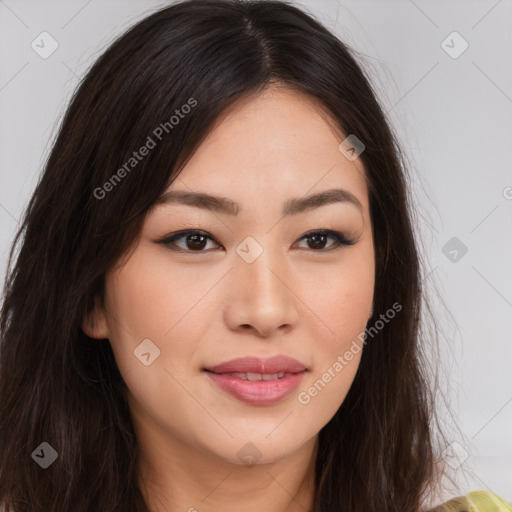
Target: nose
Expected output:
[261,298]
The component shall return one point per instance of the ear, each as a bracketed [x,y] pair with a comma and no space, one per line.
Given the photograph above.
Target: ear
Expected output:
[95,324]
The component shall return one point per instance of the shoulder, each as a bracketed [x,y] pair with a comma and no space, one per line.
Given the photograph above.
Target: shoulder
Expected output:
[477,501]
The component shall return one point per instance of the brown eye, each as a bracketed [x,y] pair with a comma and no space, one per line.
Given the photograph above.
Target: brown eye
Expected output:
[190,241]
[317,240]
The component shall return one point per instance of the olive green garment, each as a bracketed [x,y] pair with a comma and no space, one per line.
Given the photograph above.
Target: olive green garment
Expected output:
[477,501]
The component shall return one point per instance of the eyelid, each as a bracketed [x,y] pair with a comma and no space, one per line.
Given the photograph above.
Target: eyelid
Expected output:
[340,238]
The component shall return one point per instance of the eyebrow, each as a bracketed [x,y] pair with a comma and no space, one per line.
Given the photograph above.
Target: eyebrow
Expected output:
[291,206]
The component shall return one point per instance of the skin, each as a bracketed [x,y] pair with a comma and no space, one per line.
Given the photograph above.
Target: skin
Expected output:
[203,308]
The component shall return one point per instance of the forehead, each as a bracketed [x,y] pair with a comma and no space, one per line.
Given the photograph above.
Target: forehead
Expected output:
[271,146]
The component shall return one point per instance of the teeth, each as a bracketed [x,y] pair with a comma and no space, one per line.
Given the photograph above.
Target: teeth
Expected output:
[257,376]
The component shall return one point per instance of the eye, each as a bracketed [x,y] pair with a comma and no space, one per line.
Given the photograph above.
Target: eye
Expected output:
[196,240]
[317,239]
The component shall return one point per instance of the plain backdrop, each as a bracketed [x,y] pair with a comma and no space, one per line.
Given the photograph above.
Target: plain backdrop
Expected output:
[443,73]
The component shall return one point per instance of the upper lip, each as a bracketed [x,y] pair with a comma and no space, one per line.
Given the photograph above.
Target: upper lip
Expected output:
[252,364]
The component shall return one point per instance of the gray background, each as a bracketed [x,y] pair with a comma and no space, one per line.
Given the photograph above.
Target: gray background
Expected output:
[453,117]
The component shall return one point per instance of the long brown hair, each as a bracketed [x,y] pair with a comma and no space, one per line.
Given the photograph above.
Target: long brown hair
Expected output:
[60,387]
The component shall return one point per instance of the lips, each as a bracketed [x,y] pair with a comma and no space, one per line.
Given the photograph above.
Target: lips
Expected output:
[252,376]
[258,381]
[254,365]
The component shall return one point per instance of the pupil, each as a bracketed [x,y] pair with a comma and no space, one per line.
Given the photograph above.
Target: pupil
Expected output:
[314,237]
[195,241]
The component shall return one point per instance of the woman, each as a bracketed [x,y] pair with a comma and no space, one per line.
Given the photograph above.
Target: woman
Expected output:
[217,296]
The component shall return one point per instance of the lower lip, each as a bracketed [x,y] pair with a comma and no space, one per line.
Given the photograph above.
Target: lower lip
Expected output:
[260,392]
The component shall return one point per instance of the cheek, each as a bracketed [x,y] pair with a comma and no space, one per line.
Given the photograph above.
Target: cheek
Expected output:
[341,297]
[338,348]
[342,308]
[148,298]
[142,303]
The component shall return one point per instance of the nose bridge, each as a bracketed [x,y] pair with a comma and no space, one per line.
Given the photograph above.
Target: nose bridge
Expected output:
[260,295]
[261,275]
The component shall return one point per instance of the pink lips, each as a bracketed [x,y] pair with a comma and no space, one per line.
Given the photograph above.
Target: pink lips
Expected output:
[285,374]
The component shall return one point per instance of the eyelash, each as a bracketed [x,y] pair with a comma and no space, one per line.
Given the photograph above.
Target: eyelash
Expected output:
[340,239]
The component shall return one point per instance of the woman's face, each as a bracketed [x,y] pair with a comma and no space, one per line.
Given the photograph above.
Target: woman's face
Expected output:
[252,283]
